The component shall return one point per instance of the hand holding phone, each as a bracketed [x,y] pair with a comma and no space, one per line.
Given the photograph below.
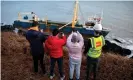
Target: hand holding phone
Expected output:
[60,35]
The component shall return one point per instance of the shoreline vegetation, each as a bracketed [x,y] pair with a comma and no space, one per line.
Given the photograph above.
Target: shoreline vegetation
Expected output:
[16,62]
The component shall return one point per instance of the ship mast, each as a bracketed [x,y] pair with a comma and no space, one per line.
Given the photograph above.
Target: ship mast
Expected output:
[46,20]
[19,16]
[75,16]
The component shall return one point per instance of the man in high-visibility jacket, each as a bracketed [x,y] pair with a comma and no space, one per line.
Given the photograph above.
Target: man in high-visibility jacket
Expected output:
[93,48]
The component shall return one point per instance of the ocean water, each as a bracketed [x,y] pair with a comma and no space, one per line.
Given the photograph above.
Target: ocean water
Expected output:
[117,15]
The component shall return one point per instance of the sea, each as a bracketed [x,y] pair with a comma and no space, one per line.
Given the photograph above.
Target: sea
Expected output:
[117,15]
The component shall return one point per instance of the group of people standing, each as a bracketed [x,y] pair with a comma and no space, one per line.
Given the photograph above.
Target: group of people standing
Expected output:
[53,46]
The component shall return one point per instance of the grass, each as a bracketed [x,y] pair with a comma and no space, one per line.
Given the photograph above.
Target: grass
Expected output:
[16,62]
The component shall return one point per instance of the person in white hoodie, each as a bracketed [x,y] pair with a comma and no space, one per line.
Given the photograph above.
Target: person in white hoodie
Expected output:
[75,44]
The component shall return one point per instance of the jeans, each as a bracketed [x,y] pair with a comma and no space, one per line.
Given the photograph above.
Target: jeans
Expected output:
[35,62]
[92,64]
[60,65]
[74,64]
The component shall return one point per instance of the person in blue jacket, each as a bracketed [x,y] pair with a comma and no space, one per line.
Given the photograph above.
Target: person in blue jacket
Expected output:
[36,39]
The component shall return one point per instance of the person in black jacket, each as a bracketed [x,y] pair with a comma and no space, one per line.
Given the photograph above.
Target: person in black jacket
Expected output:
[36,39]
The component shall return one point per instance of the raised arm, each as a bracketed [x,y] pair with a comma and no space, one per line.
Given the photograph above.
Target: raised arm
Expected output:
[69,39]
[42,37]
[81,39]
[64,40]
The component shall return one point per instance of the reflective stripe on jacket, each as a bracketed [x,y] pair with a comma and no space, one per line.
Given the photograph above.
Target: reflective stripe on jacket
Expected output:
[97,43]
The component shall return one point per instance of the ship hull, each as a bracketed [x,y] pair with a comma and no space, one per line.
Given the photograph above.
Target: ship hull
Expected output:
[51,26]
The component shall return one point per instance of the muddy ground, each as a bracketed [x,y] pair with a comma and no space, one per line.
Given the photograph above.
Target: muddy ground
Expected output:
[16,62]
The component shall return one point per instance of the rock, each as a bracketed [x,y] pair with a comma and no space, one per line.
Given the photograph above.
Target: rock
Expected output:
[126,52]
[115,48]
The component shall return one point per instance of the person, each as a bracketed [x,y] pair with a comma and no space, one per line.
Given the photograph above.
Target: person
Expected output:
[36,39]
[16,30]
[93,48]
[55,45]
[75,44]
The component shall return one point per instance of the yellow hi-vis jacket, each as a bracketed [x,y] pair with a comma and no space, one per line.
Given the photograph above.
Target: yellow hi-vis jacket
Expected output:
[96,46]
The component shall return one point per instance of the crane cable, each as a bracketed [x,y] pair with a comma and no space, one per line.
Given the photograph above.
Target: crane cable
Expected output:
[82,15]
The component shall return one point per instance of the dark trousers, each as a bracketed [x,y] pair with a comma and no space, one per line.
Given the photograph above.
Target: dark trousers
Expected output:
[35,62]
[92,65]
[60,65]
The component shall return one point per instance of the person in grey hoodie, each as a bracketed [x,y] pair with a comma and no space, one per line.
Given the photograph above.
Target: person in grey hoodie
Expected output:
[75,44]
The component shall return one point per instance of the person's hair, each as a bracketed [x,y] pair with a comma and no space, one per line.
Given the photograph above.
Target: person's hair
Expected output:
[55,32]
[74,38]
[35,23]
[98,33]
